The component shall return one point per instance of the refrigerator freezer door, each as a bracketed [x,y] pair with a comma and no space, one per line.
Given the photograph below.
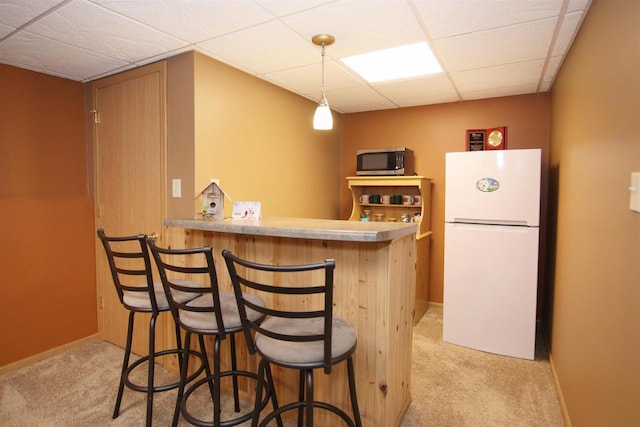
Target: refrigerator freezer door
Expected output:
[490,288]
[499,186]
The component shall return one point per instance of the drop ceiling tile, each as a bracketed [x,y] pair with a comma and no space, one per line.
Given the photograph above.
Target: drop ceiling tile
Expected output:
[51,57]
[286,7]
[551,71]
[191,21]
[427,100]
[504,76]
[415,88]
[448,18]
[263,49]
[87,39]
[94,28]
[567,33]
[359,25]
[496,47]
[356,99]
[308,79]
[486,93]
[5,29]
[18,12]
[575,5]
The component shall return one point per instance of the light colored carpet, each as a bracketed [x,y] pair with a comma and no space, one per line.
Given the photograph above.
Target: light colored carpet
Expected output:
[457,386]
[451,386]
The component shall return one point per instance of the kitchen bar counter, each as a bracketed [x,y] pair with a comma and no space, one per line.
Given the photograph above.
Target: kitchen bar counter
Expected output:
[303,228]
[374,290]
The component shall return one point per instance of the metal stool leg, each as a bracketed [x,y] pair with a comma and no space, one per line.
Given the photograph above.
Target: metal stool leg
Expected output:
[300,397]
[151,368]
[272,391]
[216,381]
[309,396]
[125,364]
[352,392]
[183,378]
[234,369]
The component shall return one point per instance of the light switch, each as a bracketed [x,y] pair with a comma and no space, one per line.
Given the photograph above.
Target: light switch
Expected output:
[634,192]
[176,188]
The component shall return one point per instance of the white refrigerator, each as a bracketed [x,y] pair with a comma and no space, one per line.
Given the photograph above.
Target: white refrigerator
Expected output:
[492,212]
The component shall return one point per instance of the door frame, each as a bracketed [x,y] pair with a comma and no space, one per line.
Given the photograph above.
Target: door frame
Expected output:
[93,118]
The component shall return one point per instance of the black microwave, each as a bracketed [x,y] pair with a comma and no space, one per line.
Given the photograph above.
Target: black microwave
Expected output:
[385,161]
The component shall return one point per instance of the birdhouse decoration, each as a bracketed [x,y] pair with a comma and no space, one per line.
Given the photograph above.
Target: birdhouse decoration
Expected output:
[212,201]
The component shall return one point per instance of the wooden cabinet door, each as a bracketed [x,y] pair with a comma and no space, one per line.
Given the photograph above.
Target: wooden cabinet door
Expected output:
[129,176]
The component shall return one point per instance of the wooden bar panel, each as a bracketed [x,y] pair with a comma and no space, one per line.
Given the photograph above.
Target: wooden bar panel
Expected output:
[374,291]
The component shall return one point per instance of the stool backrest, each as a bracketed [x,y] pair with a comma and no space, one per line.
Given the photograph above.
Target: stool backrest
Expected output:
[187,274]
[312,297]
[130,266]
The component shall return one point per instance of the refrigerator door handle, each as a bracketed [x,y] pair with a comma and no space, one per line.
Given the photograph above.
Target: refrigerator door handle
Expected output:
[517,223]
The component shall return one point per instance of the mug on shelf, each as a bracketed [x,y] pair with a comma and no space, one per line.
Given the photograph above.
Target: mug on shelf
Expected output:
[417,200]
[407,199]
[374,198]
[396,199]
[385,199]
[364,198]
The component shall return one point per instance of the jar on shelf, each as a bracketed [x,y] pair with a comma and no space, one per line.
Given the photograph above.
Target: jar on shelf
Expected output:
[379,217]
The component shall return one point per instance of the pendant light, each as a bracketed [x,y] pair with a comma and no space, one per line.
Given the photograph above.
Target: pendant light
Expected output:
[322,119]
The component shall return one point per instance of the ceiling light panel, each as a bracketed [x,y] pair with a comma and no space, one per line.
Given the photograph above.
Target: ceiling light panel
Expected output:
[396,63]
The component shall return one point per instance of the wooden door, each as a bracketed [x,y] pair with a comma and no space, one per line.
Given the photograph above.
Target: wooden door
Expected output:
[129,176]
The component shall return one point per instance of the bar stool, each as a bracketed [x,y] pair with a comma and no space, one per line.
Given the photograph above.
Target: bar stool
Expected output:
[292,337]
[130,264]
[213,313]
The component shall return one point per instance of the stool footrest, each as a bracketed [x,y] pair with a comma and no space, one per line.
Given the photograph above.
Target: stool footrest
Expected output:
[165,387]
[301,404]
[226,423]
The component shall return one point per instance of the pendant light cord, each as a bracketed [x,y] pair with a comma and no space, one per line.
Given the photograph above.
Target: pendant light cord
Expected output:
[323,86]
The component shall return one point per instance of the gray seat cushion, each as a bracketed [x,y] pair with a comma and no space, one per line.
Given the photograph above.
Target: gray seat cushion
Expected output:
[141,299]
[343,340]
[206,321]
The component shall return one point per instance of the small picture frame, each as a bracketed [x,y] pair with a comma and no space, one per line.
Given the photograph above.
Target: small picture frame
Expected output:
[246,210]
[476,139]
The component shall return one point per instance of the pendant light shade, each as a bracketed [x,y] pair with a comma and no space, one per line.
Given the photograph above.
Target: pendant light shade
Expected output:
[322,119]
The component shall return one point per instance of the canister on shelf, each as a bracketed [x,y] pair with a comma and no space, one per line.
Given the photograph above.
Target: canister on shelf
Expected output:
[405,217]
[379,217]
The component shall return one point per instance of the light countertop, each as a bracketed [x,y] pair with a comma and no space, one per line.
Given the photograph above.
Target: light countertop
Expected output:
[303,228]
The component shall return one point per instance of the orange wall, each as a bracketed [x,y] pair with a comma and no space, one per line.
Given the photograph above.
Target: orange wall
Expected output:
[258,139]
[433,130]
[47,291]
[595,344]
